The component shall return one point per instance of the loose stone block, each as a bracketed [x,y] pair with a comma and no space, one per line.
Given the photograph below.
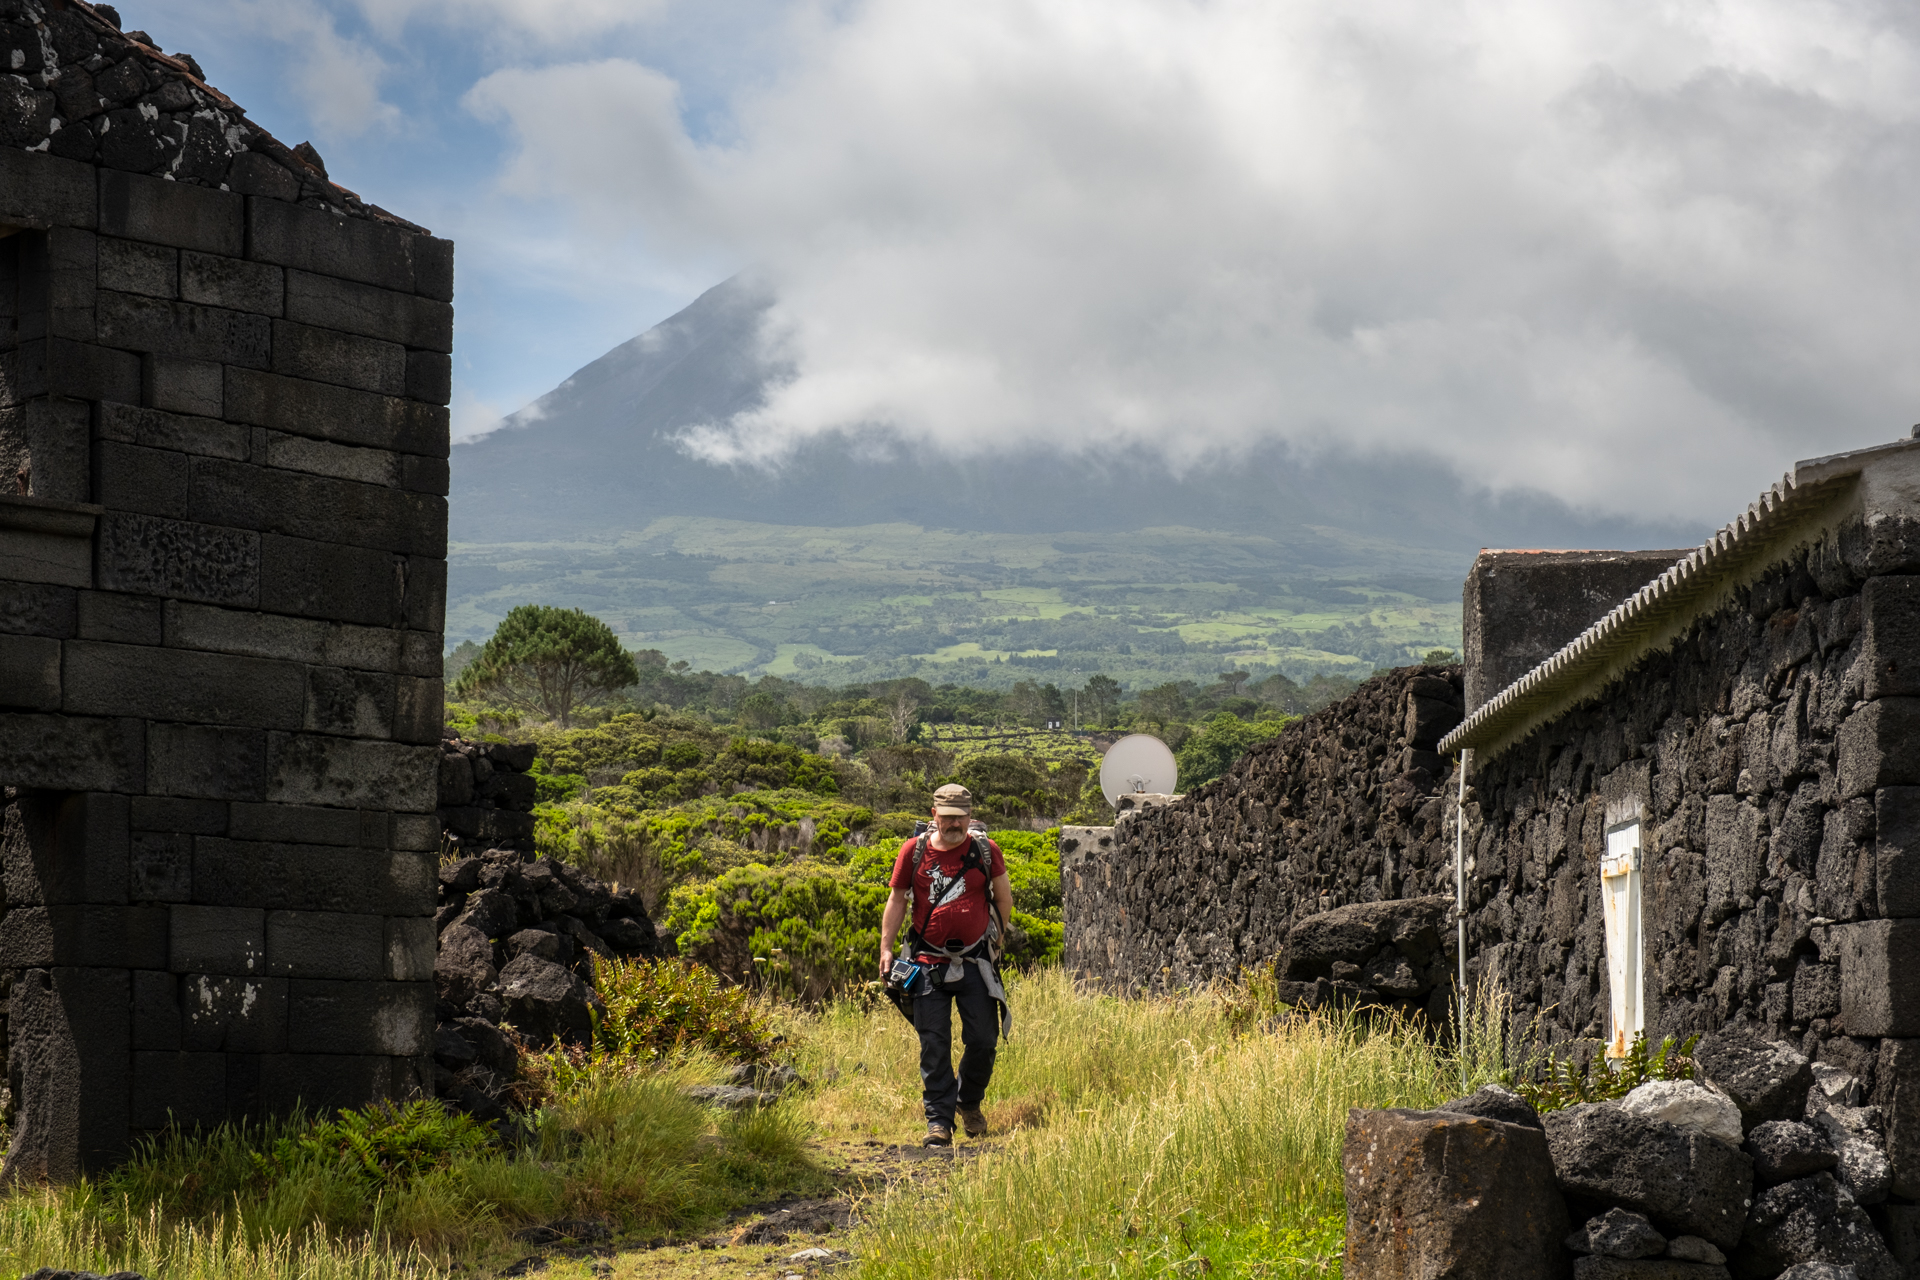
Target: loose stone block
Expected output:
[137,207]
[1687,1183]
[318,508]
[1432,1194]
[325,944]
[1812,1220]
[324,458]
[1875,957]
[184,433]
[254,174]
[253,635]
[1890,627]
[78,370]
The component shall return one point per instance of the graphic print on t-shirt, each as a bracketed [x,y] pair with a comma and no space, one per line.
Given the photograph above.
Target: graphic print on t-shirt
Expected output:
[942,888]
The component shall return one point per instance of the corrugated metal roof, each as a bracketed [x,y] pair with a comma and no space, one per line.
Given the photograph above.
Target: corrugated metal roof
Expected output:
[1564,679]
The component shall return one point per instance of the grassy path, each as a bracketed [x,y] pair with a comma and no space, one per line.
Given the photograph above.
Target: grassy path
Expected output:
[1132,1138]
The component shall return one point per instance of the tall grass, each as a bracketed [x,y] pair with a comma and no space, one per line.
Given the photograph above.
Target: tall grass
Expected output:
[1155,1134]
[623,1145]
[60,1229]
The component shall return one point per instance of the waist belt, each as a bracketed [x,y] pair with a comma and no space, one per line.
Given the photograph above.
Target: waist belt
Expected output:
[956,960]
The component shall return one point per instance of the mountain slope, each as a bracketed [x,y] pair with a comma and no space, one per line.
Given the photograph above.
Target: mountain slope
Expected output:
[587,498]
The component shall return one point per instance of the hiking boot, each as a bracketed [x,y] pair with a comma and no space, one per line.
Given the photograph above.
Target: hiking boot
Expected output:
[975,1122]
[938,1135]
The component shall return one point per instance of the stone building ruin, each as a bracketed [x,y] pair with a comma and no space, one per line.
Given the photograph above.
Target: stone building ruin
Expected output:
[223,469]
[1692,803]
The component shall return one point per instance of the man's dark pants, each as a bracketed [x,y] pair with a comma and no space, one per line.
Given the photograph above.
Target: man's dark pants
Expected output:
[979,1038]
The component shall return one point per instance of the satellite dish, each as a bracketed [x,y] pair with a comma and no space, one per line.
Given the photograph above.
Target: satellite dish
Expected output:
[1137,764]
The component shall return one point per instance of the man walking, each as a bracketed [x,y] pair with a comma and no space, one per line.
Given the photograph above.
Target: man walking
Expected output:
[954,885]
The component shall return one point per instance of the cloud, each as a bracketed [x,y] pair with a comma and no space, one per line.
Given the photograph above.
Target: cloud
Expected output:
[334,77]
[553,22]
[1638,256]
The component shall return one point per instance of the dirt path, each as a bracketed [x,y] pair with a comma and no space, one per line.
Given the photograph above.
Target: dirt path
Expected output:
[804,1238]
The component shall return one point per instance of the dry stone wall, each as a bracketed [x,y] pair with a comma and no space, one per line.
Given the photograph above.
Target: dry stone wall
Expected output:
[1347,806]
[1773,757]
[223,468]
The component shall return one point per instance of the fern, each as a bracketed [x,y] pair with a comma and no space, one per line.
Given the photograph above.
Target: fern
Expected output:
[384,1143]
[1566,1085]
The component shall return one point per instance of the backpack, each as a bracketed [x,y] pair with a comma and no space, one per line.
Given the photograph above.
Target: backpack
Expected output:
[975,858]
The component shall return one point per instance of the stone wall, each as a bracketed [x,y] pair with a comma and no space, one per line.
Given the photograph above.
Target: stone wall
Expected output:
[1520,607]
[1772,757]
[1349,805]
[223,384]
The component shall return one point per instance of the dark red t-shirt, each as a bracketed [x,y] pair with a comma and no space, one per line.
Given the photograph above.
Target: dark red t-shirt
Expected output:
[959,909]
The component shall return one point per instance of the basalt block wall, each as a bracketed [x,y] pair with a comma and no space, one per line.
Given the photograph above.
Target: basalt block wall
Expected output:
[1773,759]
[222,580]
[1350,804]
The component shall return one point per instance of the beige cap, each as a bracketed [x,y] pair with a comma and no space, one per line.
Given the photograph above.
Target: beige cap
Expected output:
[953,798]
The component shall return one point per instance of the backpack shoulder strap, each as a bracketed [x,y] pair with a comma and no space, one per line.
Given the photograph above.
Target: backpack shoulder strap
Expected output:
[913,885]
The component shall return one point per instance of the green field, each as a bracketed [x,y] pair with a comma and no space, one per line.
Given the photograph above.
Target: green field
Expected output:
[881,601]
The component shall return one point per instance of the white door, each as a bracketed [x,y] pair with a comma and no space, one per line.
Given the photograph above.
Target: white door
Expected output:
[1620,900]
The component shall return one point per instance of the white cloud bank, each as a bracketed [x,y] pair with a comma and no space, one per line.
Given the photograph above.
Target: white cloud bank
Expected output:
[1636,255]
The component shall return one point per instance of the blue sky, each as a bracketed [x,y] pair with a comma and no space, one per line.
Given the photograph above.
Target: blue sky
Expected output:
[1638,256]
[538,295]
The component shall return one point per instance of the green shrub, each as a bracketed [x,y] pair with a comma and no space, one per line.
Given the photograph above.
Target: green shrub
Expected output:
[1209,753]
[658,1008]
[807,930]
